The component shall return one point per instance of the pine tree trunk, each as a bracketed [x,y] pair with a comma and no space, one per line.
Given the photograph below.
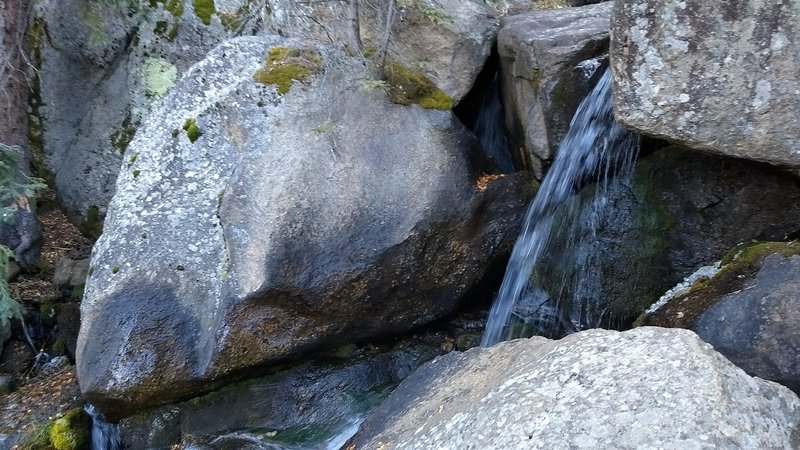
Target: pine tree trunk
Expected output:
[14,73]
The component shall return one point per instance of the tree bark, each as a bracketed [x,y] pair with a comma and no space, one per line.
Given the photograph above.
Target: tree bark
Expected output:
[22,235]
[14,73]
[387,36]
[354,45]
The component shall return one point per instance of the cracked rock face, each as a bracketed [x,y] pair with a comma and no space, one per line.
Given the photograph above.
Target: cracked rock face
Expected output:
[644,388]
[250,226]
[715,76]
[547,59]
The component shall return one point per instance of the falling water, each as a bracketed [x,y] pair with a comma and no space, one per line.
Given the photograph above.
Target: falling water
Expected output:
[490,128]
[595,149]
[105,436]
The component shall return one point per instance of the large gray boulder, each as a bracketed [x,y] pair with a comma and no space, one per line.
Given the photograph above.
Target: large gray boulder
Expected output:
[254,222]
[716,76]
[547,58]
[748,310]
[102,66]
[644,388]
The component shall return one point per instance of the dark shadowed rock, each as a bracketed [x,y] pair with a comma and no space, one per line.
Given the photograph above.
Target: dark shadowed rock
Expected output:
[717,76]
[254,225]
[547,58]
[748,311]
[683,210]
[648,387]
[297,407]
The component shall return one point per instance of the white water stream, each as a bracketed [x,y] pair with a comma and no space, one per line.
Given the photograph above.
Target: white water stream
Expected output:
[594,149]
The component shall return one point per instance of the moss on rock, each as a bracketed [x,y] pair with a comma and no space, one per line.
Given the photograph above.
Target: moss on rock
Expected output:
[191,129]
[204,9]
[93,226]
[122,136]
[408,87]
[284,66]
[740,264]
[72,431]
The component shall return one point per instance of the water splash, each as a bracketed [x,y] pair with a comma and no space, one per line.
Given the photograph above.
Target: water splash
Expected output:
[595,149]
[105,436]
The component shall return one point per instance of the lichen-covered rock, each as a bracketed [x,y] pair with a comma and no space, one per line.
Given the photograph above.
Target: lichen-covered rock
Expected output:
[293,221]
[748,311]
[683,210]
[716,76]
[447,41]
[547,58]
[648,387]
[101,68]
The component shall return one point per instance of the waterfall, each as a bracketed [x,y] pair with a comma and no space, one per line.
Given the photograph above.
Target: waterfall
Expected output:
[489,127]
[595,149]
[105,436]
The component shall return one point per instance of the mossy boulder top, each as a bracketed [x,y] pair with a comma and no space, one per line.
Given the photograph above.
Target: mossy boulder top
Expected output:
[254,223]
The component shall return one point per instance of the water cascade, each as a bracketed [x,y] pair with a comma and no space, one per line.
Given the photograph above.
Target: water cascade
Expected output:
[595,150]
[105,436]
[489,127]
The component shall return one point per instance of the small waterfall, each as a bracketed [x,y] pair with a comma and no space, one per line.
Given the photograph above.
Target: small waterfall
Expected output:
[105,436]
[594,150]
[489,127]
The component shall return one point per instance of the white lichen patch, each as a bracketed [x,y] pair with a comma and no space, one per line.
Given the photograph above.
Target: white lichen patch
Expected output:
[683,287]
[763,93]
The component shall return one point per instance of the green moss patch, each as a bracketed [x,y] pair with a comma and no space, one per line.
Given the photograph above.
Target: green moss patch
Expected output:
[408,87]
[284,66]
[174,7]
[93,226]
[204,9]
[72,431]
[122,136]
[191,129]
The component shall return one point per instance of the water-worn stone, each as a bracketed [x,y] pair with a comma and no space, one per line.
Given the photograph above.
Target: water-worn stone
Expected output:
[255,225]
[102,66]
[683,210]
[547,58]
[717,76]
[298,407]
[648,387]
[748,311]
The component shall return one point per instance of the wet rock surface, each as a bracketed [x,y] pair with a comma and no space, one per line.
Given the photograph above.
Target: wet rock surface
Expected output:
[683,210]
[304,406]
